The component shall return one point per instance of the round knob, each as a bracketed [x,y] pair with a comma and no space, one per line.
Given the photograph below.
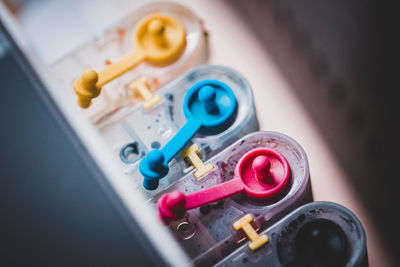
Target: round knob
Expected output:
[171,206]
[153,167]
[156,28]
[261,166]
[155,159]
[207,96]
[321,243]
[160,38]
[213,104]
[86,88]
[265,173]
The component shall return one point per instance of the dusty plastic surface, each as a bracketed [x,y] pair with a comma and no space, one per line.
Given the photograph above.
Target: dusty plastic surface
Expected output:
[135,131]
[283,237]
[210,108]
[115,43]
[261,174]
[159,40]
[206,233]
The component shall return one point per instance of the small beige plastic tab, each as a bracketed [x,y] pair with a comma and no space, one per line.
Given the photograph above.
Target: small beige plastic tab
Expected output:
[191,154]
[141,86]
[256,240]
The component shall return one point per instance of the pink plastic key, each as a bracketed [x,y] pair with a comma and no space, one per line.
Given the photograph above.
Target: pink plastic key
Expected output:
[261,173]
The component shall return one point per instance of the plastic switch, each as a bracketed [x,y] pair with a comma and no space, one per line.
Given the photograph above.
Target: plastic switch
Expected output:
[141,86]
[159,40]
[275,178]
[191,154]
[256,240]
[210,108]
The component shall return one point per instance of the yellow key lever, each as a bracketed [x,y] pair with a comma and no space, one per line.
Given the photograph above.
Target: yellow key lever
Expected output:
[256,240]
[191,153]
[141,86]
[158,39]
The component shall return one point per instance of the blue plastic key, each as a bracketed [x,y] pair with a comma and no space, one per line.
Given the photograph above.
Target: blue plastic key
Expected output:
[210,108]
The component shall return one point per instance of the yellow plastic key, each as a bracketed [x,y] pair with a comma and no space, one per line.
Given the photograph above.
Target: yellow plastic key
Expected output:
[256,240]
[158,39]
[141,86]
[191,153]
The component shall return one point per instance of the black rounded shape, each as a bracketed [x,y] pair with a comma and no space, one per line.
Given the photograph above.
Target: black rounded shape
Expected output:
[321,243]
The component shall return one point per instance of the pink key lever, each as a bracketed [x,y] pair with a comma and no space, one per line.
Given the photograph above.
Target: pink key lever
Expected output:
[261,173]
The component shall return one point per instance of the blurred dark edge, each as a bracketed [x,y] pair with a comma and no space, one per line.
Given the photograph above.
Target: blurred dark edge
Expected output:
[341,58]
[57,208]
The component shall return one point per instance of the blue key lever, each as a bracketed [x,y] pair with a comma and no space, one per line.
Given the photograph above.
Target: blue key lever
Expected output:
[210,108]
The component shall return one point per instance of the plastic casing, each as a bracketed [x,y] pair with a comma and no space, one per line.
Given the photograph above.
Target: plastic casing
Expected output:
[155,127]
[116,42]
[206,233]
[283,232]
